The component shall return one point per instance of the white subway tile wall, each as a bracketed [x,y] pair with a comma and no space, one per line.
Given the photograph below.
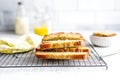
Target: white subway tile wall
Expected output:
[65,5]
[8,5]
[71,14]
[76,18]
[108,18]
[96,5]
[117,4]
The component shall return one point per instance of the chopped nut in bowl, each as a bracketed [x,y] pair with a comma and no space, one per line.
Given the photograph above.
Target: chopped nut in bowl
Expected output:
[103,38]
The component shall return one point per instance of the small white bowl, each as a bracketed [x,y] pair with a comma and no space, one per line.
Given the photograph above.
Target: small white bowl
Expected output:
[102,41]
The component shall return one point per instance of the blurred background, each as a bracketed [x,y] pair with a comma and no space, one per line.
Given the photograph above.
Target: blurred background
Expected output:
[65,14]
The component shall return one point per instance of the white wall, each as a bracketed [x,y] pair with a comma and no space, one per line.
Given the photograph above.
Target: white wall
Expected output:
[75,14]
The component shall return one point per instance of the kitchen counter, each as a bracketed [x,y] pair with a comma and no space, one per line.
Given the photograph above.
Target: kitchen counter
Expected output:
[42,73]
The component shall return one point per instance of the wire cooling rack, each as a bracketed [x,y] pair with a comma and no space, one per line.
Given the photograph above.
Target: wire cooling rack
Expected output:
[29,60]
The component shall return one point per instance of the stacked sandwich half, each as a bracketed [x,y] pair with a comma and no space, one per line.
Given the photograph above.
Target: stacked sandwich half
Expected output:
[63,46]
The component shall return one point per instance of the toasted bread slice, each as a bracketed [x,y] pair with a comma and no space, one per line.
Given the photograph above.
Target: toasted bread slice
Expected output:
[61,44]
[62,55]
[69,49]
[63,36]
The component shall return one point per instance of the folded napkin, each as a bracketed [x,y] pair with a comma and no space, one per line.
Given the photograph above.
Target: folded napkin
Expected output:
[24,43]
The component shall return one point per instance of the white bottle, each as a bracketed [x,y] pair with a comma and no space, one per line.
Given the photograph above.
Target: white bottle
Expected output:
[22,22]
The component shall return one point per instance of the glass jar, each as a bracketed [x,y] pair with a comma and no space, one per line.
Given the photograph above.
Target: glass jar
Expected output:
[43,23]
[22,22]
[40,27]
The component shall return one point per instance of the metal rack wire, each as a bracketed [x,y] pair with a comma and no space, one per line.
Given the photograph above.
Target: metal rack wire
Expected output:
[29,60]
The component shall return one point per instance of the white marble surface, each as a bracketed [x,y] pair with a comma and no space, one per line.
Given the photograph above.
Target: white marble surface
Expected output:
[39,73]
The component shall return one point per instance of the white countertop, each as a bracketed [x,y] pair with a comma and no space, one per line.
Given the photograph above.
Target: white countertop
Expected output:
[39,73]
